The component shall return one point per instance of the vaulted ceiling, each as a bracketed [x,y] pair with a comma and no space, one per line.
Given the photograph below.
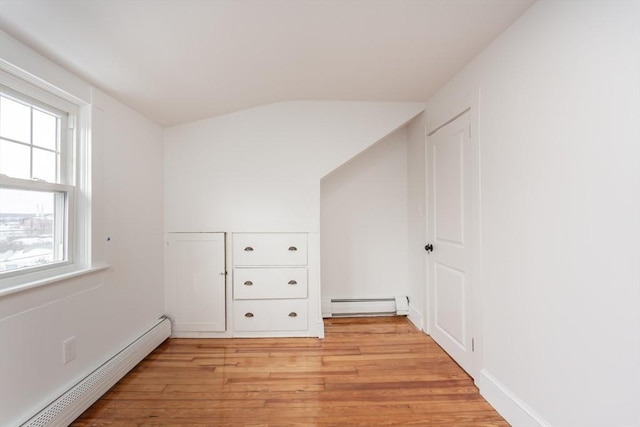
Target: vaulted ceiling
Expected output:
[177,61]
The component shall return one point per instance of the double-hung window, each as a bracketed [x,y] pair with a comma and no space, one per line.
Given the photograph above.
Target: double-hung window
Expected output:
[37,184]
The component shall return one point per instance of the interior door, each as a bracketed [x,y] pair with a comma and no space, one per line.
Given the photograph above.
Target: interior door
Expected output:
[196,282]
[449,219]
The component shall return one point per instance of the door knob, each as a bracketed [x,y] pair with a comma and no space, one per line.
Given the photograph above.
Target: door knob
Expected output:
[429,247]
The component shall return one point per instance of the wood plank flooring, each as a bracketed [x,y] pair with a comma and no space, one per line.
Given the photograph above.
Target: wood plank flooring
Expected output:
[366,372]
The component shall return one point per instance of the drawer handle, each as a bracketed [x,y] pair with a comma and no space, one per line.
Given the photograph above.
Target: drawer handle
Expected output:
[248,283]
[248,249]
[293,248]
[293,282]
[248,314]
[293,314]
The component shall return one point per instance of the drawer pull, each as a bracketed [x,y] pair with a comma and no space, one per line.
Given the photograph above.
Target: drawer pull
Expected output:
[293,314]
[293,282]
[248,249]
[293,248]
[248,314]
[248,283]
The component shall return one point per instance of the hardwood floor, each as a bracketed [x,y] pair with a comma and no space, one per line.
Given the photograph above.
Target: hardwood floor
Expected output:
[366,372]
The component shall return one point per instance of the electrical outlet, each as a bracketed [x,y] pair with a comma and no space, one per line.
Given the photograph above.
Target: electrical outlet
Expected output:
[68,350]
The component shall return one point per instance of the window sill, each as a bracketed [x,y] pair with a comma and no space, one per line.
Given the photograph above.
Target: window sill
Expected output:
[54,279]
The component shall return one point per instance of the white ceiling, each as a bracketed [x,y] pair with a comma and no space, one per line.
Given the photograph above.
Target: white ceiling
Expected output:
[177,61]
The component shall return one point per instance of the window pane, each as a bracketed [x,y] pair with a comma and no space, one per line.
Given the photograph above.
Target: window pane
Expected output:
[15,120]
[44,165]
[15,160]
[45,131]
[27,228]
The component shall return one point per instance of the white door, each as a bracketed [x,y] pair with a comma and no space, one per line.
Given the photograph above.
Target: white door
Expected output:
[196,282]
[449,219]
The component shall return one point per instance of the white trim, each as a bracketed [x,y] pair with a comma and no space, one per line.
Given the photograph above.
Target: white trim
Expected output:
[82,220]
[319,329]
[68,406]
[16,81]
[415,317]
[75,175]
[22,61]
[512,408]
[25,184]
[476,229]
[52,279]
[325,307]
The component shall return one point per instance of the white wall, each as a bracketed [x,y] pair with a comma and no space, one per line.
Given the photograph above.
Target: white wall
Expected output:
[260,169]
[416,219]
[560,212]
[363,223]
[106,310]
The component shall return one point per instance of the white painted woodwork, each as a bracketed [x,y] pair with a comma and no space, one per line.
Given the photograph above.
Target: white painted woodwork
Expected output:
[195,290]
[270,315]
[269,283]
[260,249]
[449,220]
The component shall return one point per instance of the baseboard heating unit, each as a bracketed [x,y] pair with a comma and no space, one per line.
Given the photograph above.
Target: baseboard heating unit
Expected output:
[66,408]
[354,307]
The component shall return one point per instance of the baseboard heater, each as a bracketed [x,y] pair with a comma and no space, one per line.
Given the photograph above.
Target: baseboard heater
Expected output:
[66,408]
[360,307]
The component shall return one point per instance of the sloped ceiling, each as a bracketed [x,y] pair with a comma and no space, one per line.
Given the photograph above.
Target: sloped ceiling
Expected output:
[176,61]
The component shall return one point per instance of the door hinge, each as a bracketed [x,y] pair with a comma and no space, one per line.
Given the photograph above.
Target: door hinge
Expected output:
[473,345]
[469,131]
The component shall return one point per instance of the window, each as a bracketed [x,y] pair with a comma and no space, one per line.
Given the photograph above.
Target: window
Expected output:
[37,191]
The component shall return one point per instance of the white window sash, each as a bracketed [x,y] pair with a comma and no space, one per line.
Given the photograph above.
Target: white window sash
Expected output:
[64,224]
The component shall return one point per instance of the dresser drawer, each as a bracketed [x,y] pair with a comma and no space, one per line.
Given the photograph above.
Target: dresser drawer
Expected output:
[257,249]
[270,315]
[269,283]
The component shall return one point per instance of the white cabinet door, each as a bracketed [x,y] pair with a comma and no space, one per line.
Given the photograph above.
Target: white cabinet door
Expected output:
[196,282]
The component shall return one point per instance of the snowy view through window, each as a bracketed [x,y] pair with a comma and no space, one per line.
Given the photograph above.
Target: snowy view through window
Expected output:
[26,229]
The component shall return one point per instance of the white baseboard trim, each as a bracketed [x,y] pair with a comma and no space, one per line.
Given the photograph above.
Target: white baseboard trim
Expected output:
[512,408]
[68,406]
[416,317]
[320,329]
[358,307]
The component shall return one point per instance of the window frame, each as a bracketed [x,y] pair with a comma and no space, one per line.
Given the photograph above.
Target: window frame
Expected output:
[67,221]
[66,142]
[73,177]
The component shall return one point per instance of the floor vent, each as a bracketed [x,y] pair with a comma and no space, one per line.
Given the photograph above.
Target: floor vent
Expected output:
[360,307]
[76,400]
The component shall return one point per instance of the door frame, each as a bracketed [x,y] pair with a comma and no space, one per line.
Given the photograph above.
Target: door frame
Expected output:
[437,117]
